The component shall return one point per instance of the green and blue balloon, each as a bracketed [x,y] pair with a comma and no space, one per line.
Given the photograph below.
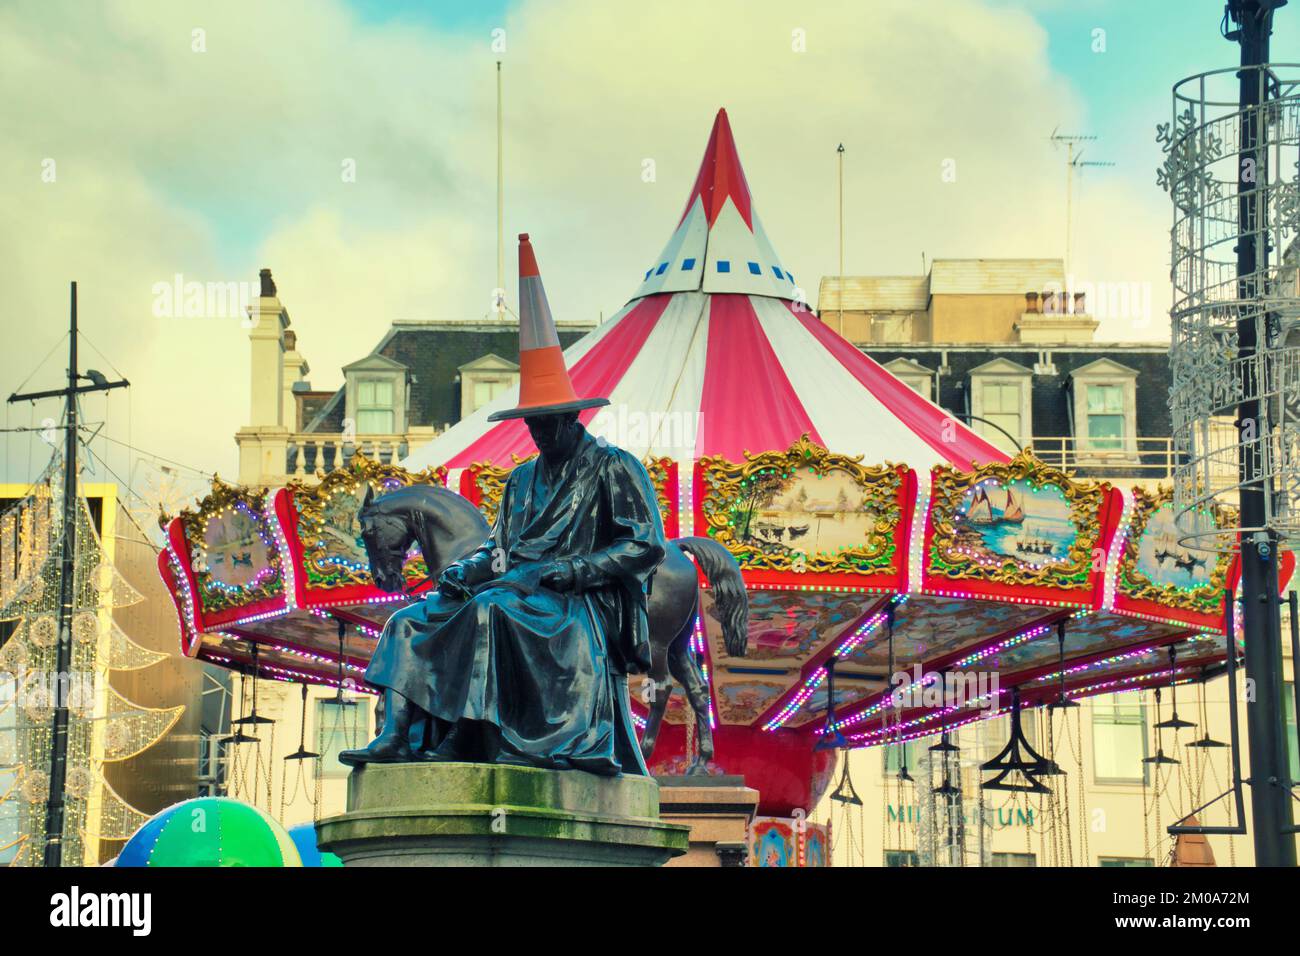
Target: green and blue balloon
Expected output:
[211,831]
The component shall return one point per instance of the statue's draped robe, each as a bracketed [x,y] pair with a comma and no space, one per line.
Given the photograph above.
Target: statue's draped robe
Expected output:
[549,669]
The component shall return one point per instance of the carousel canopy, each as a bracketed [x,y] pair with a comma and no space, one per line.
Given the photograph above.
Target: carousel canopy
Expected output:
[716,354]
[876,536]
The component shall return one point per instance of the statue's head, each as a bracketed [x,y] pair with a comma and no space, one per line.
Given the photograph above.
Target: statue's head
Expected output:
[387,538]
[556,434]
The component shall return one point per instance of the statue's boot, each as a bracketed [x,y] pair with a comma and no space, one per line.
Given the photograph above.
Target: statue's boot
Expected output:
[455,747]
[393,744]
[436,731]
[469,741]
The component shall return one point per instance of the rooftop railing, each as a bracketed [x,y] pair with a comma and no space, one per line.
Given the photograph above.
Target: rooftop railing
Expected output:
[1154,458]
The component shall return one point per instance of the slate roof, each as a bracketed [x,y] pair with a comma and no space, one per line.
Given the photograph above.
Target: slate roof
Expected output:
[434,352]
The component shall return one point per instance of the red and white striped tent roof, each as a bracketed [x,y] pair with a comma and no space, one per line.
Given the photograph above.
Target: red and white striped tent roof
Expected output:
[715,354]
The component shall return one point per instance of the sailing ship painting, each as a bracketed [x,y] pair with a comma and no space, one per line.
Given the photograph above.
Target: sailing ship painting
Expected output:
[981,509]
[1164,560]
[1016,520]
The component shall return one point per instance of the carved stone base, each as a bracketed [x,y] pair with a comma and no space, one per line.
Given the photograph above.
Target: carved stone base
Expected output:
[718,810]
[469,814]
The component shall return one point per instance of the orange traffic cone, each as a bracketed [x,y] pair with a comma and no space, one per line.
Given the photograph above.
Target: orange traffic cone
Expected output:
[544,384]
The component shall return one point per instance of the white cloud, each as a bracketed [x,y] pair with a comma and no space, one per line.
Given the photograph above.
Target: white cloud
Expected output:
[215,164]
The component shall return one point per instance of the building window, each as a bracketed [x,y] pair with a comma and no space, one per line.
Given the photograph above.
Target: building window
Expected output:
[377,391]
[486,389]
[995,733]
[339,727]
[375,406]
[1119,739]
[1105,416]
[901,858]
[1014,859]
[1139,861]
[484,380]
[1001,402]
[1104,394]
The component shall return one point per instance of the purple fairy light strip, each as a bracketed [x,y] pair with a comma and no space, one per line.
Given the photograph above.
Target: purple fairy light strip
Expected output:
[847,646]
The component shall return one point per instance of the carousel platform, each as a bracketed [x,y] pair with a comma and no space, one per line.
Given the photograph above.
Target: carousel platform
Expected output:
[469,814]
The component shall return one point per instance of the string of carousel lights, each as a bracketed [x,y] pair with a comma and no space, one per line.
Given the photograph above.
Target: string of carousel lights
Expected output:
[974,657]
[699,648]
[1132,683]
[1110,579]
[916,543]
[818,676]
[288,674]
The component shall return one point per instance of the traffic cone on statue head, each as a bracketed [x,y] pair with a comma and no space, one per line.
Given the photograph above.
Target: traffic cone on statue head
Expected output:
[544,384]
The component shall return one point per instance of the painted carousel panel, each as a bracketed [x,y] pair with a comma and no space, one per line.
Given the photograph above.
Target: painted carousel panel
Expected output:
[1020,530]
[741,698]
[788,627]
[227,553]
[1166,566]
[323,531]
[807,516]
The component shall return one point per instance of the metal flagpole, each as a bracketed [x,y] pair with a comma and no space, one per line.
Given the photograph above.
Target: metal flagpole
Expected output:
[840,152]
[501,235]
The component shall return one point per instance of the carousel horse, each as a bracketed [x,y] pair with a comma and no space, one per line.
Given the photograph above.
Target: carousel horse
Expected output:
[446,527]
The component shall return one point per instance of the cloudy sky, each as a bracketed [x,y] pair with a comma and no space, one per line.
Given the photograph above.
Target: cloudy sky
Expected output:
[349,146]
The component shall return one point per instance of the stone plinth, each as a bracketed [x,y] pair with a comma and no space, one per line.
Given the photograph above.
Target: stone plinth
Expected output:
[469,814]
[717,809]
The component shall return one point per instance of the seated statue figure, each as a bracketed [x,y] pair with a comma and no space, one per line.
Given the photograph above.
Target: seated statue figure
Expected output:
[522,652]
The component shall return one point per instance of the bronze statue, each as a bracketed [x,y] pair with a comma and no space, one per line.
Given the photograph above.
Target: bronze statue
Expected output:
[522,652]
[447,527]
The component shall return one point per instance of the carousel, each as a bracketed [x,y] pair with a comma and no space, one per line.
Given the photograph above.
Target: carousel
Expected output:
[904,576]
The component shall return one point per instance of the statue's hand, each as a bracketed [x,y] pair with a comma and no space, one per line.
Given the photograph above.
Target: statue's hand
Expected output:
[451,583]
[559,576]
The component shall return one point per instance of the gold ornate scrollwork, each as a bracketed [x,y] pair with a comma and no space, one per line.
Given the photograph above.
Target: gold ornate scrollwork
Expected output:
[224,500]
[658,470]
[957,551]
[319,516]
[490,482]
[735,493]
[1134,583]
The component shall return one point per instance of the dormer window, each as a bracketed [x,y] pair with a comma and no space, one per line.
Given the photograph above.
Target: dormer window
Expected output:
[375,414]
[1001,404]
[1104,394]
[377,389]
[484,380]
[912,374]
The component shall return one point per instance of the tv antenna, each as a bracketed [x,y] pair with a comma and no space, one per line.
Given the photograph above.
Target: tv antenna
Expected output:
[1073,160]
